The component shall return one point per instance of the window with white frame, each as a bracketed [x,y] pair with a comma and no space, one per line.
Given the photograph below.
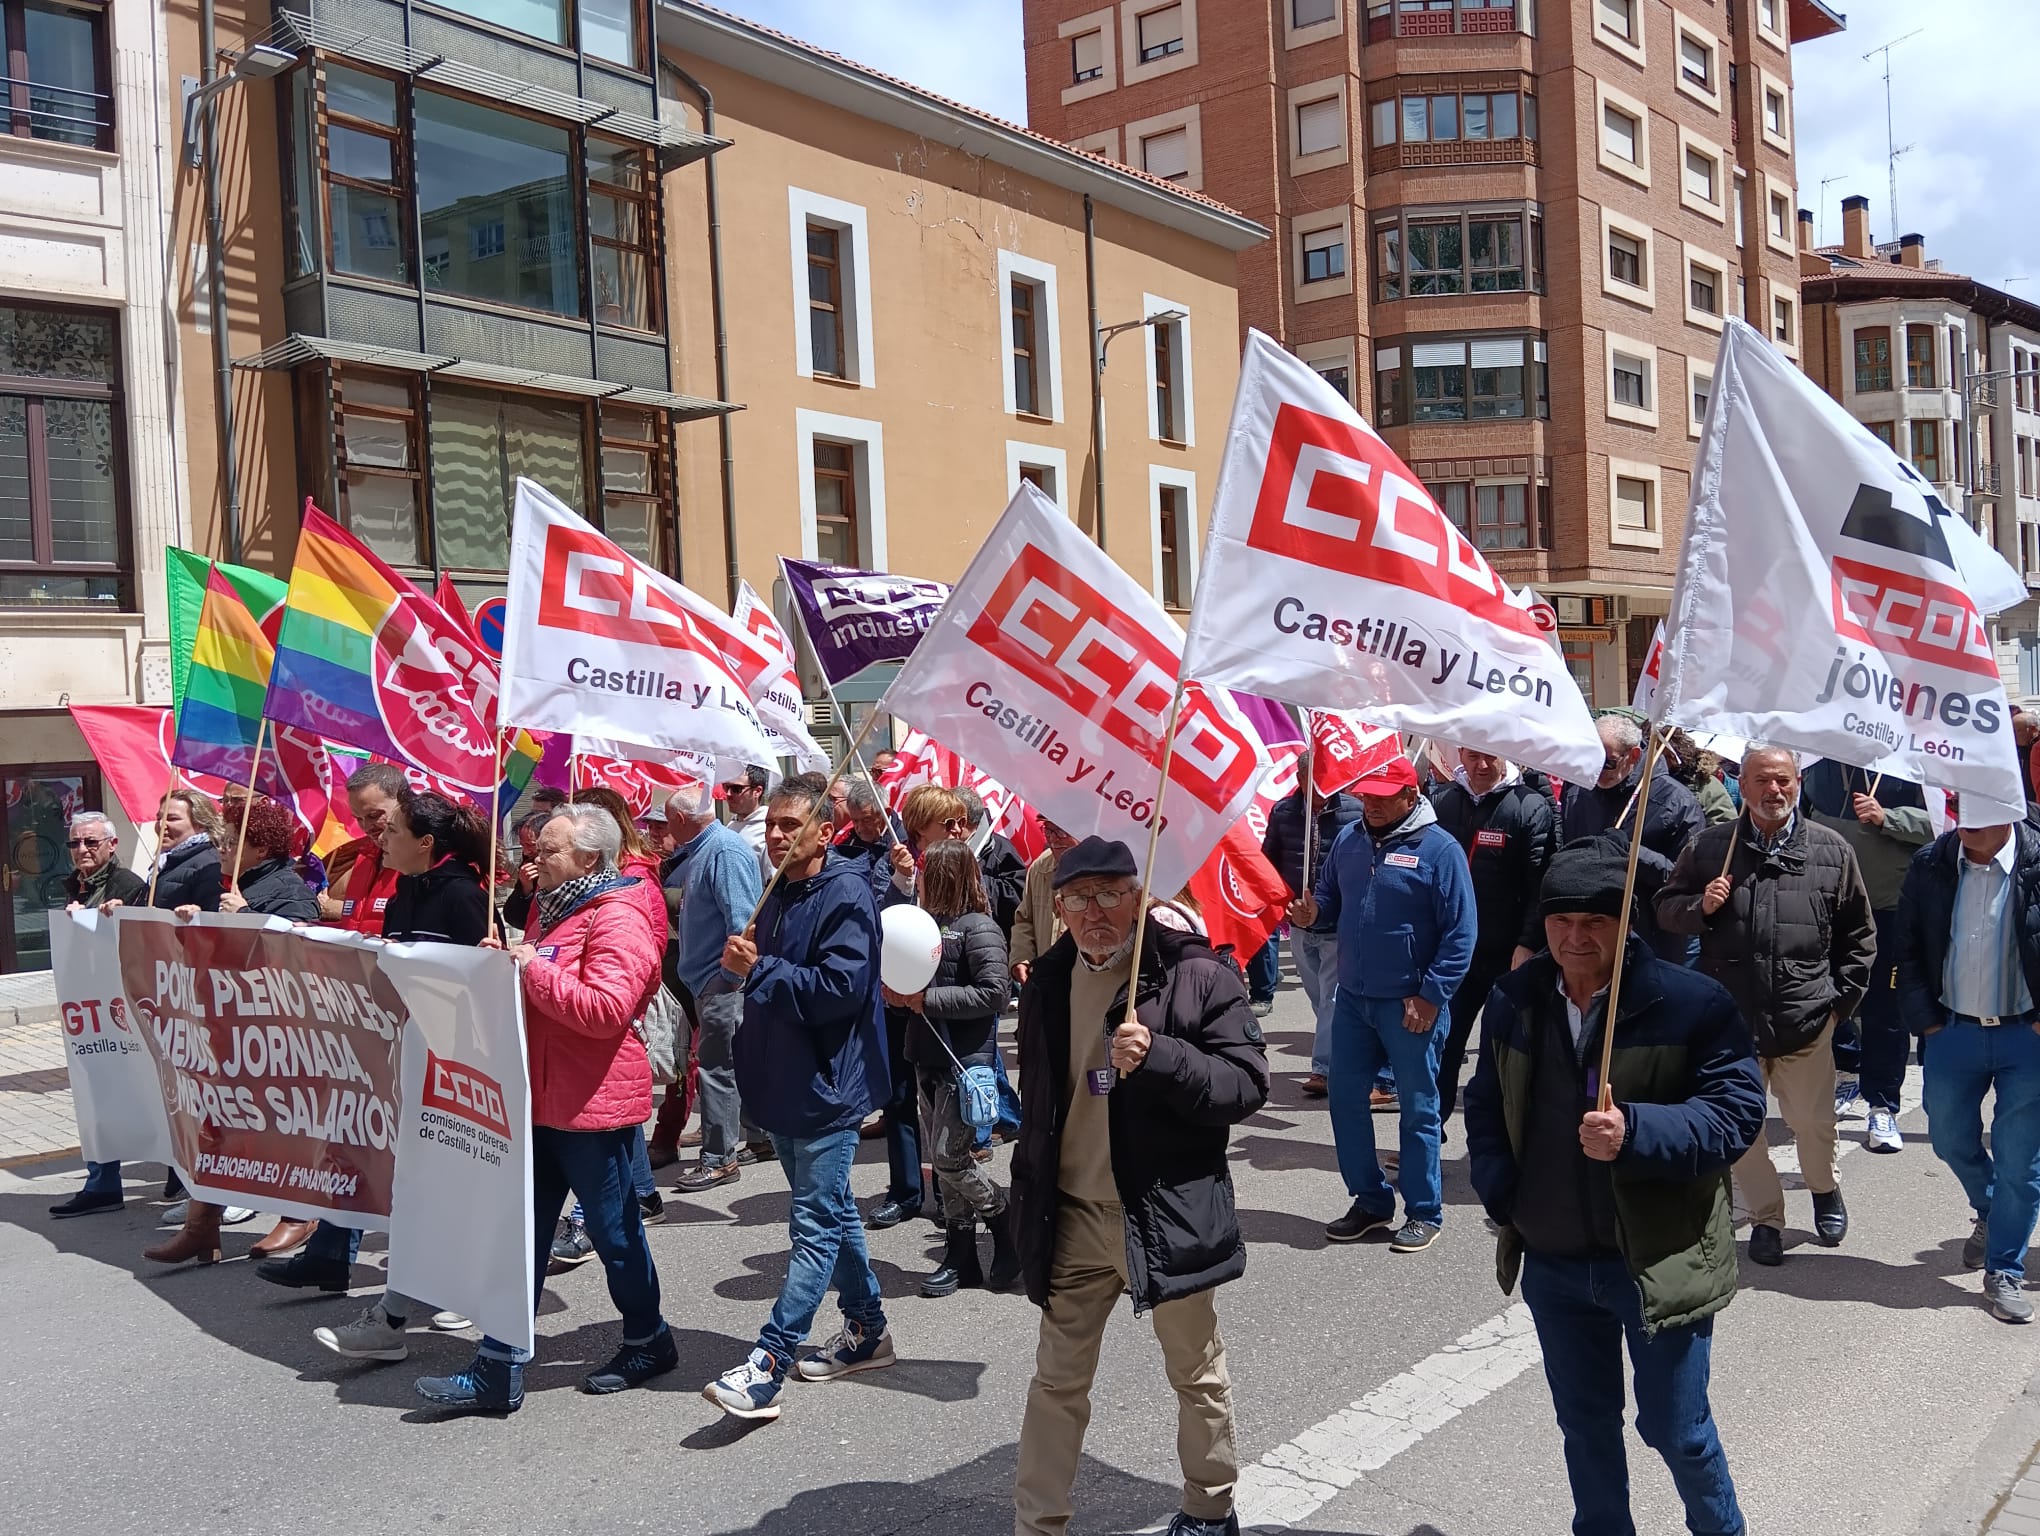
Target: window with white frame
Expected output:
[1320,126]
[1621,134]
[1171,415]
[1631,380]
[1618,19]
[1087,57]
[1775,112]
[1631,376]
[1696,62]
[1167,154]
[1159,33]
[1032,337]
[842,489]
[1741,192]
[1324,255]
[1635,506]
[1046,469]
[1784,329]
[1699,391]
[1703,171]
[832,279]
[1626,248]
[1635,503]
[1779,227]
[1706,290]
[1172,523]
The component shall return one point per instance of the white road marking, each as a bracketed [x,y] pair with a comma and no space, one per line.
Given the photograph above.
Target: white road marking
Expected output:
[1299,1477]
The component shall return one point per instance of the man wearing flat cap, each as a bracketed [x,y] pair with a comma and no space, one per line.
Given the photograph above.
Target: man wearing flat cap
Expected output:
[1618,1219]
[1120,1183]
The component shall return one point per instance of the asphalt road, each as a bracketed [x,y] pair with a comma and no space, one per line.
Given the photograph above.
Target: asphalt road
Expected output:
[1860,1390]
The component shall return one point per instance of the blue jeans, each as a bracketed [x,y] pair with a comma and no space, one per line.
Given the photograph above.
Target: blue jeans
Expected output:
[1962,1063]
[902,1118]
[332,1242]
[641,1168]
[1584,1309]
[1317,967]
[1264,971]
[1873,1047]
[595,1166]
[102,1179]
[827,1237]
[1367,1032]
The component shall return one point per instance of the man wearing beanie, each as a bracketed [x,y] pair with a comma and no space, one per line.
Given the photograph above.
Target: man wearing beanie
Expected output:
[1120,1183]
[1617,1220]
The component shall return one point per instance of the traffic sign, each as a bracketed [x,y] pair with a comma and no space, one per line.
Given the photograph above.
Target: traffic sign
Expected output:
[489,624]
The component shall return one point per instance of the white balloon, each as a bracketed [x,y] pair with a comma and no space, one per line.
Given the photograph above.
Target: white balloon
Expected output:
[909,950]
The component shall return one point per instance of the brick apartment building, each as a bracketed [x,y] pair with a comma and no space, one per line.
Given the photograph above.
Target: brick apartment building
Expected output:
[1507,230]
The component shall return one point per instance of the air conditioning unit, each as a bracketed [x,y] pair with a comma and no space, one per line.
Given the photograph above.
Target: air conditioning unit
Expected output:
[1621,610]
[821,714]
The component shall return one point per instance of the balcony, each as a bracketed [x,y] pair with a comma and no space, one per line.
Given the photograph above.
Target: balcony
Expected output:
[1404,157]
[1439,18]
[1986,480]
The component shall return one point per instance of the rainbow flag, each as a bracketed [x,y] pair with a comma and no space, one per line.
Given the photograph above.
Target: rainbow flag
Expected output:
[220,724]
[185,577]
[366,660]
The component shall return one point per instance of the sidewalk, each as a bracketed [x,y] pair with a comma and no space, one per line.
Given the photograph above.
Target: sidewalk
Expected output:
[35,1089]
[2019,1515]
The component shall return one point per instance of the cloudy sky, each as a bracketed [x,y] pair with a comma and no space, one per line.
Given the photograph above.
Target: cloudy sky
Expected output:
[1963,95]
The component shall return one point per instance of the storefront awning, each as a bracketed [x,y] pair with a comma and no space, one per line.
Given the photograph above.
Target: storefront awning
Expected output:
[295,351]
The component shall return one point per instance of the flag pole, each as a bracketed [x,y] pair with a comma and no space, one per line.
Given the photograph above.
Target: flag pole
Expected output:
[815,815]
[1309,813]
[496,830]
[1875,782]
[176,781]
[248,803]
[1733,830]
[1154,842]
[1606,1100]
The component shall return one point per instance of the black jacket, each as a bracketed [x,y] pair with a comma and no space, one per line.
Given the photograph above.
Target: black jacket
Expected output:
[1509,835]
[190,877]
[1672,818]
[1282,844]
[445,905]
[1795,941]
[1926,919]
[1005,876]
[965,999]
[123,885]
[1206,1070]
[876,856]
[274,888]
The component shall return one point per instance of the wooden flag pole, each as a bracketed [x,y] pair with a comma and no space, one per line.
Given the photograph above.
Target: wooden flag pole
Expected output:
[176,782]
[1606,1100]
[496,832]
[1875,782]
[1309,811]
[1734,836]
[248,804]
[815,815]
[1154,841]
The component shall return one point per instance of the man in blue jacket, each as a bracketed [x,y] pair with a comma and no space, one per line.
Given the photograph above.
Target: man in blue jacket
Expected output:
[1397,890]
[811,1064]
[1619,1218]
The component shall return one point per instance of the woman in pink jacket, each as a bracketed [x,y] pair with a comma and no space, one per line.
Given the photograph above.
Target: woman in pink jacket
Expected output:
[589,965]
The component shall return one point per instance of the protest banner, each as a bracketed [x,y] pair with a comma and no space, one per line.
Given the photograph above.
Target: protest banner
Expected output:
[1053,670]
[460,1219]
[598,643]
[115,1093]
[1828,601]
[276,1061]
[855,619]
[1242,895]
[777,692]
[1332,580]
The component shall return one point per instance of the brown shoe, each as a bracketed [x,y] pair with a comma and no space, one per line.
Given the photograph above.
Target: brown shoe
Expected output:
[287,1236]
[691,1138]
[661,1156]
[1382,1102]
[1315,1086]
[198,1238]
[701,1177]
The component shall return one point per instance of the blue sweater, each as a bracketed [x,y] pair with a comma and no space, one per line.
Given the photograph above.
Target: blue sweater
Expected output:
[1403,908]
[811,1053]
[718,876]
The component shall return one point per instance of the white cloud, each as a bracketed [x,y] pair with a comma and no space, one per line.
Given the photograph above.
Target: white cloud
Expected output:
[968,50]
[1962,96]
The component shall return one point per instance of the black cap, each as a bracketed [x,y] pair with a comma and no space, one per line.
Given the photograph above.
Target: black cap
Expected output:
[1094,857]
[1586,876]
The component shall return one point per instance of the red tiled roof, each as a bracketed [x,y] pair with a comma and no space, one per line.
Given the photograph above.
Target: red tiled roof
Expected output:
[950,104]
[1878,268]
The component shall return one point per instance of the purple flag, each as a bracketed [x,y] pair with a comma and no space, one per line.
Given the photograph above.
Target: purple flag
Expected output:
[856,618]
[1277,725]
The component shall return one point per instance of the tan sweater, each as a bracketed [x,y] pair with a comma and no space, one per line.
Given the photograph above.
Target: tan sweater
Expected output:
[1086,1169]
[1035,925]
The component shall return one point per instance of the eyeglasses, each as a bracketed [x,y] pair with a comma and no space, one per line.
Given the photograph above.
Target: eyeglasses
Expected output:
[956,824]
[1104,901]
[88,842]
[1610,764]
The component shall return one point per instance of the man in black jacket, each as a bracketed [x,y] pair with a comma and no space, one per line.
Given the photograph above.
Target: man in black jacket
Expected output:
[1672,818]
[1968,978]
[1120,1181]
[1316,948]
[1508,828]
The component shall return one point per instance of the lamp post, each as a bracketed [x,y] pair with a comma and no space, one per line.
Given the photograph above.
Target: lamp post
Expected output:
[263,61]
[1105,338]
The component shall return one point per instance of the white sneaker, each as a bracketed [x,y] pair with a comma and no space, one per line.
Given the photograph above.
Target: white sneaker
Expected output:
[173,1215]
[451,1322]
[371,1336]
[1848,1098]
[748,1391]
[1881,1135]
[234,1215]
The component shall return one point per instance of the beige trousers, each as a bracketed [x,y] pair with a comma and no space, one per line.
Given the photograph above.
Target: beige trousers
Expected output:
[1805,1085]
[1085,1286]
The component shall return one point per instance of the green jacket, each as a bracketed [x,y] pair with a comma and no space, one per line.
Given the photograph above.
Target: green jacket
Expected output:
[1883,853]
[1716,804]
[1684,1074]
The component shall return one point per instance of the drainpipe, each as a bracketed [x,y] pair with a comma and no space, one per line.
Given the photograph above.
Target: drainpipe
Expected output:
[1097,375]
[722,340]
[215,241]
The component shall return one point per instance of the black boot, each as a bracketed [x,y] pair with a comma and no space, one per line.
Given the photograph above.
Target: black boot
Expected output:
[1005,1251]
[959,1267]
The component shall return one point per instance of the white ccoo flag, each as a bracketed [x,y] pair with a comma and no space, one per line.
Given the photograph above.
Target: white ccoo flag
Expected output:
[1332,580]
[1828,601]
[776,691]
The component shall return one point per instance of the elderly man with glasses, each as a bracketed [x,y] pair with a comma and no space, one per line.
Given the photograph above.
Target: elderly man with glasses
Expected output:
[1120,1184]
[97,877]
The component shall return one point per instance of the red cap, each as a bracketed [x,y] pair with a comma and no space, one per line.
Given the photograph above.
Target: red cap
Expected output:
[1392,779]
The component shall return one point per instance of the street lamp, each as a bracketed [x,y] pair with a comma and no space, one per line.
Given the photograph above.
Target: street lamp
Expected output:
[263,61]
[1103,340]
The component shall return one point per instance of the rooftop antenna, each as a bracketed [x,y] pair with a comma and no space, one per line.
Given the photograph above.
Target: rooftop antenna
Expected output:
[1891,145]
[1825,183]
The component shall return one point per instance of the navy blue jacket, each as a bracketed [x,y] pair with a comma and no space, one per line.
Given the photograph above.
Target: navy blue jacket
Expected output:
[1282,845]
[810,1054]
[1403,909]
[1926,921]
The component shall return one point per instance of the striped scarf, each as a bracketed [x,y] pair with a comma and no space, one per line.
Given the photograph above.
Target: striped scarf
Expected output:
[555,904]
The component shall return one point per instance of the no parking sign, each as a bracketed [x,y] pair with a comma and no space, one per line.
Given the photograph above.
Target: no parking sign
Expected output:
[489,625]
